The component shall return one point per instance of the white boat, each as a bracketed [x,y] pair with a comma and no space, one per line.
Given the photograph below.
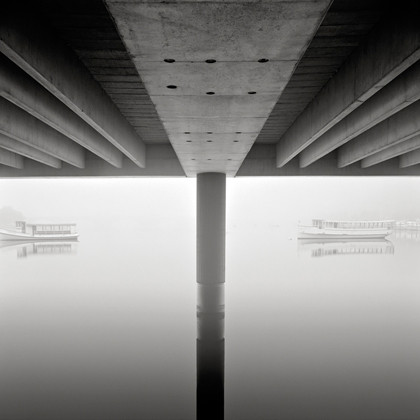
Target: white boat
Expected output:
[334,229]
[40,232]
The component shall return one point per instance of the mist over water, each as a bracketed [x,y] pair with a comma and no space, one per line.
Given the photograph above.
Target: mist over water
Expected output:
[106,328]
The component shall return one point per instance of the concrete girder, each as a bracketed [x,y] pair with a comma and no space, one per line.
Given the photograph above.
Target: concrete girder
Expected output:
[392,48]
[391,152]
[215,66]
[28,151]
[410,159]
[21,126]
[10,159]
[43,56]
[398,94]
[400,127]
[20,89]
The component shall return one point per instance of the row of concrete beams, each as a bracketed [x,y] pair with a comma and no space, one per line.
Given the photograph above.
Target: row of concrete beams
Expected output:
[214,70]
[372,86]
[54,103]
[20,89]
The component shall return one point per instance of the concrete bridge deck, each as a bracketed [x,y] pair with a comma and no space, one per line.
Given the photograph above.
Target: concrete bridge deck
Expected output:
[135,88]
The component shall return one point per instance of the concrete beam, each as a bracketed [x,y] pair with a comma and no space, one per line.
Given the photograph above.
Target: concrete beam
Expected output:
[39,52]
[391,48]
[391,152]
[11,159]
[28,151]
[400,127]
[20,89]
[21,126]
[400,93]
[410,159]
[229,64]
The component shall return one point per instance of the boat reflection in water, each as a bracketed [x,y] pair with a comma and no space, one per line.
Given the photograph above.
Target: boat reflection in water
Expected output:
[25,249]
[410,234]
[325,248]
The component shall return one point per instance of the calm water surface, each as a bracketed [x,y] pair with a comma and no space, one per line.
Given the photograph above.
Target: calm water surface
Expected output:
[106,328]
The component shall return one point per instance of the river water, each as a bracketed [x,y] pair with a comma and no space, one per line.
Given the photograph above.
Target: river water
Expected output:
[106,327]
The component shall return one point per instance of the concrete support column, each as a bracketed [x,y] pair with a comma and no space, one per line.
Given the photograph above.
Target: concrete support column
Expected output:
[211,233]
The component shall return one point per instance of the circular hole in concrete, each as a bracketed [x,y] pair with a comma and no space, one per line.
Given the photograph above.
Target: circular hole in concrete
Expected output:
[187,132]
[208,159]
[209,132]
[252,93]
[192,159]
[209,141]
[236,141]
[239,132]
[171,87]
[229,159]
[209,93]
[263,60]
[169,60]
[188,141]
[211,61]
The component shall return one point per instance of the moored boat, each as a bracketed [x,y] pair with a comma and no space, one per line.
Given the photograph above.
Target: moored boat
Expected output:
[334,229]
[40,232]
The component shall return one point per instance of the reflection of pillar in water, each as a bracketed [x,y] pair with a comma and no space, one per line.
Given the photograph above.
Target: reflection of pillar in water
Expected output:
[211,231]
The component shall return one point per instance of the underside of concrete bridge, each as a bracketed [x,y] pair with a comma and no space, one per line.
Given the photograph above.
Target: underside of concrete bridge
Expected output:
[178,88]
[209,89]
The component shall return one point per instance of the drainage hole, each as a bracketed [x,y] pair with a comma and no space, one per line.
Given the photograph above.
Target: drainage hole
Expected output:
[263,60]
[209,93]
[210,61]
[252,93]
[169,60]
[171,87]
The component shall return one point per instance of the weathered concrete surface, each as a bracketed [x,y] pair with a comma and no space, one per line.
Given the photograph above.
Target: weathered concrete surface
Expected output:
[20,89]
[161,162]
[400,127]
[223,78]
[11,159]
[391,48]
[21,126]
[398,94]
[410,159]
[391,152]
[41,54]
[234,34]
[24,150]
